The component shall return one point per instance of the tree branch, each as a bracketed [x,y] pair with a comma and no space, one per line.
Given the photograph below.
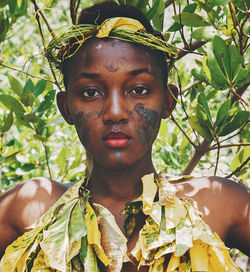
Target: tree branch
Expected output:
[27,74]
[239,92]
[168,3]
[195,83]
[189,49]
[229,145]
[199,153]
[182,130]
[238,168]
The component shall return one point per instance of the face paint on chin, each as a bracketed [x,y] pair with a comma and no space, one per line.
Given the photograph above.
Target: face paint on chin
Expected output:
[152,118]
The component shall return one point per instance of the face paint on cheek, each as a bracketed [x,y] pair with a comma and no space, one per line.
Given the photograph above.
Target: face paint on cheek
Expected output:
[81,128]
[149,129]
[150,115]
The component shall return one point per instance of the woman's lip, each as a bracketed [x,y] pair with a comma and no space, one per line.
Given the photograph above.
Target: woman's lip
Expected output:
[117,139]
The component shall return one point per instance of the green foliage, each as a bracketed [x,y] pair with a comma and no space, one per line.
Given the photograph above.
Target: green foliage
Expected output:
[34,139]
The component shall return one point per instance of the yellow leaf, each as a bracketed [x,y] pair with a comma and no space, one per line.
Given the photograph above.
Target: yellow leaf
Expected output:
[158,265]
[94,235]
[113,240]
[118,23]
[18,251]
[174,263]
[174,212]
[199,256]
[148,194]
[166,190]
[39,263]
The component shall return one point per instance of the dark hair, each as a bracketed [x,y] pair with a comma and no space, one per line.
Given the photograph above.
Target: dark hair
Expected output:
[98,13]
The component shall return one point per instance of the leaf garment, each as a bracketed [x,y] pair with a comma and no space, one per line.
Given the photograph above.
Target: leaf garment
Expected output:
[77,235]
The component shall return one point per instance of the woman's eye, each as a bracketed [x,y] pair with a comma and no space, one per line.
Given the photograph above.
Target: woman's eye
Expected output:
[139,91]
[90,92]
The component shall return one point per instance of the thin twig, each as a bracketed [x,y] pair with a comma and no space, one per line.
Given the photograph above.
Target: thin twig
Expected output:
[239,132]
[191,47]
[168,3]
[238,168]
[47,158]
[229,145]
[217,157]
[44,44]
[195,83]
[182,130]
[38,10]
[239,97]
[27,74]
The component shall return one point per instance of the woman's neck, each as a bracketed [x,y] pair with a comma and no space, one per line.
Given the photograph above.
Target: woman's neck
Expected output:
[123,184]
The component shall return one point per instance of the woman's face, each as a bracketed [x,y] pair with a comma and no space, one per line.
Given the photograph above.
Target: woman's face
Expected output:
[115,98]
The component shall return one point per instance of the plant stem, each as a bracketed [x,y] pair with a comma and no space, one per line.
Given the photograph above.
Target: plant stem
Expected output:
[229,145]
[195,83]
[25,73]
[47,158]
[238,168]
[199,153]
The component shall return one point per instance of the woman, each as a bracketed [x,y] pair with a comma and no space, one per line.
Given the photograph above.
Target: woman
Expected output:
[116,96]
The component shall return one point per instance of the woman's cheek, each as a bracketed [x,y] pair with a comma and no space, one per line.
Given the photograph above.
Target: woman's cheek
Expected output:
[148,123]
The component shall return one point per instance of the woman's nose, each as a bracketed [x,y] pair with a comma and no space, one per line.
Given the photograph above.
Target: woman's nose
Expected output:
[115,110]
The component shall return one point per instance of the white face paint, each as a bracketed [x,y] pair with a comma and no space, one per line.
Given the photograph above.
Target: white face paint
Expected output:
[115,103]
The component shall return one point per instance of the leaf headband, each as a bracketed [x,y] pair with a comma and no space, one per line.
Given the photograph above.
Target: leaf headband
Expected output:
[65,45]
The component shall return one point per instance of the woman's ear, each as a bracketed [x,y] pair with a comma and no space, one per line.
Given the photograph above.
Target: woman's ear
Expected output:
[62,105]
[171,94]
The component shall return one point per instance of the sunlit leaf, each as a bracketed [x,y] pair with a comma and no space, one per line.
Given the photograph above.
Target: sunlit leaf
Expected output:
[190,19]
[15,85]
[238,120]
[222,112]
[8,122]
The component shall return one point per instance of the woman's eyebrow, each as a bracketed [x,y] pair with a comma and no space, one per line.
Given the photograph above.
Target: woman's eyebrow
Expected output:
[87,75]
[140,71]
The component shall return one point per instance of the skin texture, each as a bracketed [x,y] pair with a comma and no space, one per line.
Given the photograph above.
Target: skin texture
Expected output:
[130,99]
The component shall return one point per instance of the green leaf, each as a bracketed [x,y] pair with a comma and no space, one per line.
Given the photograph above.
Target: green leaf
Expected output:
[27,99]
[150,13]
[202,130]
[240,157]
[190,19]
[214,3]
[23,8]
[39,88]
[174,27]
[236,60]
[47,102]
[3,3]
[12,7]
[222,55]
[77,226]
[203,101]
[27,167]
[217,76]
[11,103]
[29,86]
[159,17]
[15,85]
[8,122]
[222,112]
[240,74]
[238,120]
[190,8]
[55,239]
[204,33]
[202,117]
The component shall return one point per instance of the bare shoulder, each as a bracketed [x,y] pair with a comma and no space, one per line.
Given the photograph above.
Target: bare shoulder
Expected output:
[24,204]
[225,205]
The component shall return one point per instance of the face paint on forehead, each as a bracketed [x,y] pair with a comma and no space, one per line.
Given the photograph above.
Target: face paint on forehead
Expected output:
[111,67]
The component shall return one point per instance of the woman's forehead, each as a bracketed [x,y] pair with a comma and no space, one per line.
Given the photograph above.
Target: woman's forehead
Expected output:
[108,48]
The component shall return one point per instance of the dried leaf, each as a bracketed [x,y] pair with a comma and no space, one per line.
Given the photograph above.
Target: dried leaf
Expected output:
[148,194]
